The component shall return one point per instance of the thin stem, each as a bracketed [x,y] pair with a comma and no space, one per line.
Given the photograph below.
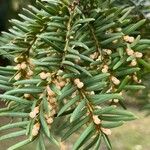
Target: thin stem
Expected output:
[96,41]
[72,11]
[90,108]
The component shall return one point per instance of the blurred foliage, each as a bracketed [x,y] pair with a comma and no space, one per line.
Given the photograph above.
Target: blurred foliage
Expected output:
[141,6]
[10,9]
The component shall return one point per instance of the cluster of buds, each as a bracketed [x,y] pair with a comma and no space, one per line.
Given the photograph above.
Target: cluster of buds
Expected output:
[130,52]
[24,67]
[58,81]
[138,55]
[74,4]
[97,121]
[78,83]
[94,55]
[20,66]
[105,69]
[33,113]
[52,105]
[108,51]
[115,80]
[128,38]
[44,75]
[36,129]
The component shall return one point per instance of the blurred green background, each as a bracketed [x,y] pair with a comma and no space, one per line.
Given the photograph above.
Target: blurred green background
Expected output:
[134,135]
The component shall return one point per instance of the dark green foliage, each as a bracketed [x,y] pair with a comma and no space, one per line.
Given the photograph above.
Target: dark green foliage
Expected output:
[71,60]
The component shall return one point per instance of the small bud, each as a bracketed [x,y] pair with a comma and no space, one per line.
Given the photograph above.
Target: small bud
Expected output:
[98,107]
[135,78]
[62,84]
[71,37]
[18,76]
[59,72]
[99,58]
[32,114]
[37,126]
[107,51]
[120,93]
[50,92]
[48,74]
[41,96]
[43,75]
[50,120]
[106,66]
[46,116]
[96,120]
[92,93]
[30,73]
[36,110]
[94,55]
[138,55]
[35,129]
[133,62]
[17,67]
[130,52]
[35,132]
[73,94]
[52,100]
[27,95]
[131,39]
[50,106]
[53,112]
[80,85]
[110,100]
[23,65]
[16,59]
[116,100]
[109,31]
[118,29]
[115,80]
[115,106]
[109,90]
[76,81]
[126,38]
[77,61]
[106,131]
[105,69]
